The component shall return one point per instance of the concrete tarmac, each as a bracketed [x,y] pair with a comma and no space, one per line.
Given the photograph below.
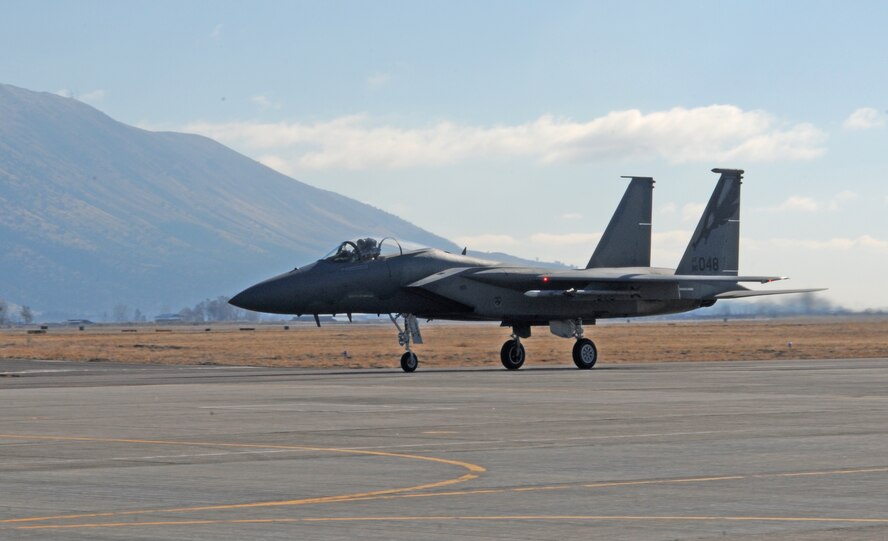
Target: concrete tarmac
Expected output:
[732,450]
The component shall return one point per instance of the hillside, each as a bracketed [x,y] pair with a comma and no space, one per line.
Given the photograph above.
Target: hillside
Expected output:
[96,213]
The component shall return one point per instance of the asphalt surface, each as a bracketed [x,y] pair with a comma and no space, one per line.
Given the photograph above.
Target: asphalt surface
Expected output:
[746,450]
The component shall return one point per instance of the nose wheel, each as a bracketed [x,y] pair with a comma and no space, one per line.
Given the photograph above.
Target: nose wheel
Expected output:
[410,333]
[512,354]
[409,361]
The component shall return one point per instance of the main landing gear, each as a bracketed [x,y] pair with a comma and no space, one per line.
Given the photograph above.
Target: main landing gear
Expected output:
[585,354]
[512,353]
[584,351]
[410,333]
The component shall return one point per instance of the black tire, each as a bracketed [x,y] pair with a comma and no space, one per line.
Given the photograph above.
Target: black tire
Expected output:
[512,355]
[585,354]
[409,361]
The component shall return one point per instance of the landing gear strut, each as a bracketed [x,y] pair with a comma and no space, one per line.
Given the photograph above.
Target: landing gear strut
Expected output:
[410,333]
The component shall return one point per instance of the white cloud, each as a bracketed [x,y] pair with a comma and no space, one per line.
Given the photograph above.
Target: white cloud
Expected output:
[692,211]
[836,202]
[378,80]
[565,239]
[715,133]
[799,203]
[667,247]
[264,102]
[865,118]
[488,242]
[836,244]
[668,208]
[275,162]
[572,216]
[571,248]
[89,97]
[93,96]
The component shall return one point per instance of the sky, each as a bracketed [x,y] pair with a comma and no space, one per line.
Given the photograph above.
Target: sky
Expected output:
[506,125]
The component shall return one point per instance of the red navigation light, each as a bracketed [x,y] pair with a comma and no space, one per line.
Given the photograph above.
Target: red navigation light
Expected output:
[545,279]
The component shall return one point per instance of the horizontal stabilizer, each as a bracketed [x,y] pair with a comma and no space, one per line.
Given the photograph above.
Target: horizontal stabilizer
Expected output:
[536,293]
[743,293]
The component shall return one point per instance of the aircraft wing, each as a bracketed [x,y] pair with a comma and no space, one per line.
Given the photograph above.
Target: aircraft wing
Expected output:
[590,283]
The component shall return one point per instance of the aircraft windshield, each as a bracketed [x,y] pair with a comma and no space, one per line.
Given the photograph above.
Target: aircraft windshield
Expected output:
[365,249]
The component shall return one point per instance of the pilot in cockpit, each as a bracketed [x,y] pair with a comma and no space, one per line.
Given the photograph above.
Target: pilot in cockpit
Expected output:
[367,249]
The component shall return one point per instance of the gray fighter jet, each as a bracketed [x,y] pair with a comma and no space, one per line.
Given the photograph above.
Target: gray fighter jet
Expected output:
[380,277]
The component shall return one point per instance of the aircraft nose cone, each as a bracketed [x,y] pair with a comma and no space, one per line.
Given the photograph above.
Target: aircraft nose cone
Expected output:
[278,295]
[248,299]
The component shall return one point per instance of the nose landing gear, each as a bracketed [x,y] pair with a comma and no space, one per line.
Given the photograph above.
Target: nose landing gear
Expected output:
[410,332]
[409,361]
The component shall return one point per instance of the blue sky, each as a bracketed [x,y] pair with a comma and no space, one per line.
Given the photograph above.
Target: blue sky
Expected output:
[506,125]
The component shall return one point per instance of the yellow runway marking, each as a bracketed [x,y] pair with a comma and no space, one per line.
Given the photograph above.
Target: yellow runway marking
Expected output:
[467,518]
[609,484]
[407,492]
[474,469]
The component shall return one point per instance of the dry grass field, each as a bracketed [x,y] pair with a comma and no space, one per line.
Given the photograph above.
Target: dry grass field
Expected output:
[450,345]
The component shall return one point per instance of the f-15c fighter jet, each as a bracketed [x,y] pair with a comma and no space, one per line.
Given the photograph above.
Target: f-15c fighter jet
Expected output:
[618,282]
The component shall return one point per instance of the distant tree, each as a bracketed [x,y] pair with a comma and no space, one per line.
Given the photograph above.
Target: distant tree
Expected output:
[4,312]
[139,317]
[187,314]
[218,309]
[27,315]
[248,315]
[194,315]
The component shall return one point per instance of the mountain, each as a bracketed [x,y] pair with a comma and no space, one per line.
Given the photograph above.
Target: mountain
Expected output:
[95,213]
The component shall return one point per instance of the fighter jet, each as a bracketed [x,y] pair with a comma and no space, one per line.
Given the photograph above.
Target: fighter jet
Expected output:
[380,277]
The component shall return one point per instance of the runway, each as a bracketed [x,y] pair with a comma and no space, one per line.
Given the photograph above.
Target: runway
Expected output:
[730,450]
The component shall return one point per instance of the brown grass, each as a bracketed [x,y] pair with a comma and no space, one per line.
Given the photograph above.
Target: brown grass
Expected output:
[375,345]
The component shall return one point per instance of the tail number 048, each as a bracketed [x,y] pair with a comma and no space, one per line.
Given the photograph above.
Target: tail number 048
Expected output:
[705,264]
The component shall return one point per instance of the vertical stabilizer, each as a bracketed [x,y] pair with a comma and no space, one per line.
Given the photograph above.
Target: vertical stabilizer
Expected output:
[627,240]
[715,246]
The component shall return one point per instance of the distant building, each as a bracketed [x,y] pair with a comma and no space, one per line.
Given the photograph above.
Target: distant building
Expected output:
[79,322]
[168,318]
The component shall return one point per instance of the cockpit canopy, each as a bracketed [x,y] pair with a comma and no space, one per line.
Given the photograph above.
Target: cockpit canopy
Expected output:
[365,249]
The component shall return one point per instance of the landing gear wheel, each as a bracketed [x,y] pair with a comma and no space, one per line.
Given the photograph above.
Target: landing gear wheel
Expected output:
[585,354]
[409,361]
[512,354]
